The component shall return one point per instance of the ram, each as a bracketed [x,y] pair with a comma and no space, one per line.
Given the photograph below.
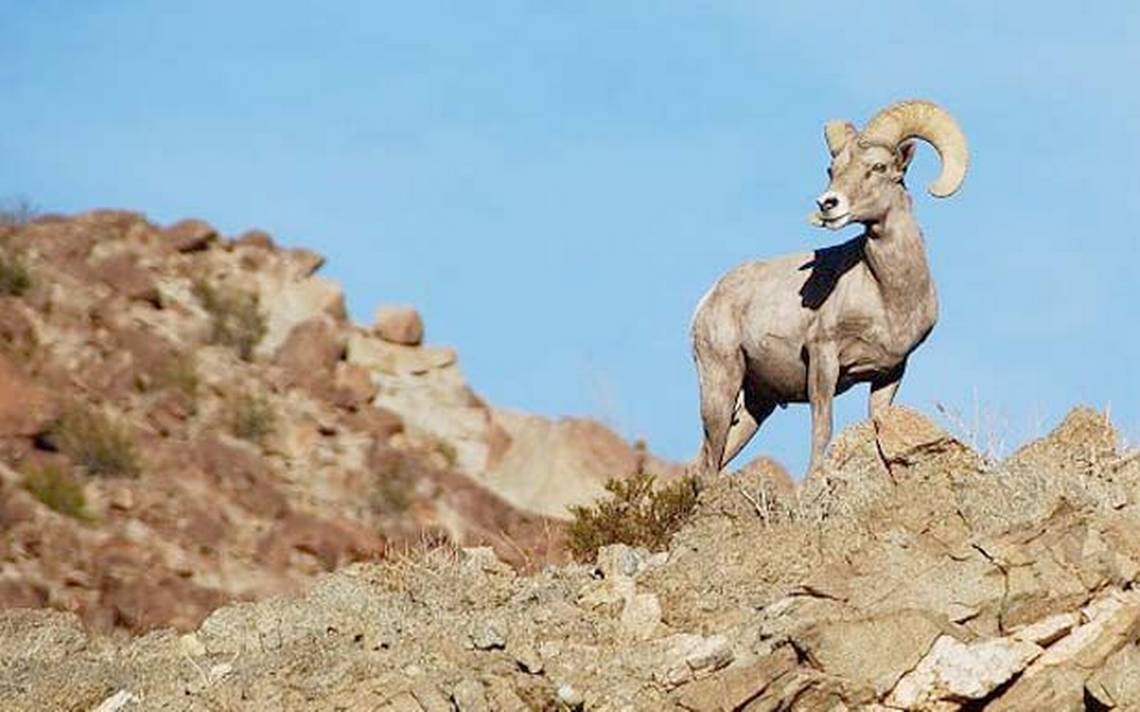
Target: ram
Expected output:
[806,327]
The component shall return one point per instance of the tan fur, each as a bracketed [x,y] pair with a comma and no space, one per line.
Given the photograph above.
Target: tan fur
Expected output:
[803,328]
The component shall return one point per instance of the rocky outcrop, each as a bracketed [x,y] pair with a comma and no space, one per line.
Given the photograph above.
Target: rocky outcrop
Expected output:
[834,595]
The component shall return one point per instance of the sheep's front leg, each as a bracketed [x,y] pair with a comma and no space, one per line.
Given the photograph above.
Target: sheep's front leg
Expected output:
[823,374]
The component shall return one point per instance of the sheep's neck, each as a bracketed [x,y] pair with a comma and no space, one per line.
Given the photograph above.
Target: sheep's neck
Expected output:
[896,255]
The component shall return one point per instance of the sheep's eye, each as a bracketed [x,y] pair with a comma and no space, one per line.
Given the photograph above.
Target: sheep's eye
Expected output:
[879,167]
[830,173]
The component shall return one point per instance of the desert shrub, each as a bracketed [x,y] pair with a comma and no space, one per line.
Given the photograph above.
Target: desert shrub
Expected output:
[96,443]
[446,450]
[14,276]
[235,317]
[179,374]
[636,513]
[396,477]
[57,488]
[17,212]
[253,418]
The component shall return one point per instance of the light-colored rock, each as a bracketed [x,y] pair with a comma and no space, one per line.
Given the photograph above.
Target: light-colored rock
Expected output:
[688,656]
[1113,623]
[551,465]
[118,701]
[489,634]
[482,559]
[641,616]
[502,696]
[953,670]
[570,696]
[620,560]
[876,651]
[469,696]
[529,660]
[399,325]
[430,698]
[285,305]
[1047,630]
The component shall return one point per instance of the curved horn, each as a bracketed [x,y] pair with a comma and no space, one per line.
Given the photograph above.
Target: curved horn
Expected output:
[918,118]
[837,134]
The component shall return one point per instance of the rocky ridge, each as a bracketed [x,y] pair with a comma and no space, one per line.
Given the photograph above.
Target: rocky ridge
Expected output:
[909,574]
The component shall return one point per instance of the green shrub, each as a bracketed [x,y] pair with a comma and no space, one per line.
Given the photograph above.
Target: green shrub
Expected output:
[253,418]
[235,317]
[14,276]
[58,489]
[635,513]
[94,442]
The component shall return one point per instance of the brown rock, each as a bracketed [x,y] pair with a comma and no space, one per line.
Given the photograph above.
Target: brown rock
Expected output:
[255,238]
[354,387]
[310,353]
[736,687]
[122,273]
[190,235]
[1117,683]
[25,408]
[17,331]
[1057,690]
[399,325]
[905,435]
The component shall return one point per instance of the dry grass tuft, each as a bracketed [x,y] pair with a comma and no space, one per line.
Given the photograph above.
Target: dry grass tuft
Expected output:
[58,489]
[235,317]
[253,418]
[96,443]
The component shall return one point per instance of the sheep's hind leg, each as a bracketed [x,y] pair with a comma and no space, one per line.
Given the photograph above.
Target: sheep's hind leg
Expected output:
[883,390]
[750,415]
[720,382]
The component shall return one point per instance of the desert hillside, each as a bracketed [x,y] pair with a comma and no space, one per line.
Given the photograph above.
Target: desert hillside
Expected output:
[187,419]
[911,574]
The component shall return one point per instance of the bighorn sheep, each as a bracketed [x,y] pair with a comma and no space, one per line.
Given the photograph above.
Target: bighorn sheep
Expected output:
[806,327]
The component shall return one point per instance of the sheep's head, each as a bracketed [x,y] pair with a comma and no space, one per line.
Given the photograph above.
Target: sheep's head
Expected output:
[867,168]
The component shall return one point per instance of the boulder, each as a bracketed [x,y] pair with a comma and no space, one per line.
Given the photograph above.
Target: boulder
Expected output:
[190,235]
[399,325]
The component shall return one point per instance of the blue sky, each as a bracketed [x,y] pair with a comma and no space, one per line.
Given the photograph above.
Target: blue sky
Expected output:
[555,184]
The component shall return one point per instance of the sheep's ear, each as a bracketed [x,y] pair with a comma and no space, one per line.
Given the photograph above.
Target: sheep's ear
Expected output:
[837,134]
[907,150]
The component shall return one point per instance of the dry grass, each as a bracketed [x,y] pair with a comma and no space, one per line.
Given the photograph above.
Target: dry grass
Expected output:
[253,418]
[235,317]
[636,514]
[58,489]
[180,374]
[96,443]
[17,212]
